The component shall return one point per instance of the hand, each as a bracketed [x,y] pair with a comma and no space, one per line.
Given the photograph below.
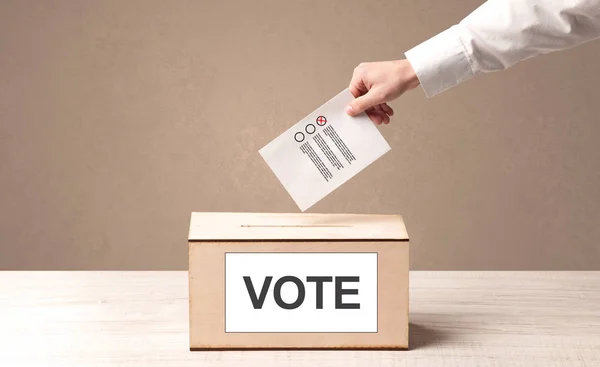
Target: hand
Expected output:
[375,83]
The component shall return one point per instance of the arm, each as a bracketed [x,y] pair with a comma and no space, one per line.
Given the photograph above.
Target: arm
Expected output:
[497,35]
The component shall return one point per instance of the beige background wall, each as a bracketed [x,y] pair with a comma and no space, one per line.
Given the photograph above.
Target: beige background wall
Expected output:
[119,118]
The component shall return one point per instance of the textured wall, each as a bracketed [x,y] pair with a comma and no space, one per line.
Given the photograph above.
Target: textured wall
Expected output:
[119,118]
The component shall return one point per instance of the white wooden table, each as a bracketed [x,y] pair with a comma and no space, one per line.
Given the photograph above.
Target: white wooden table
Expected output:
[457,319]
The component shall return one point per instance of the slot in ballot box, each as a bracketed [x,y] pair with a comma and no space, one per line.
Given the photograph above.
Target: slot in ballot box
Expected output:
[298,281]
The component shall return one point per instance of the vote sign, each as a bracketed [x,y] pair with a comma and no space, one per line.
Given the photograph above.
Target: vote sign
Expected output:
[301,292]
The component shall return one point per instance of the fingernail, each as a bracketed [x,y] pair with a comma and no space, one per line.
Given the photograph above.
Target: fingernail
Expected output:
[349,110]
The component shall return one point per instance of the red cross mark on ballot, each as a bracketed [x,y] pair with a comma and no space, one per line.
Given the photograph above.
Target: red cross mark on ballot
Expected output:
[321,120]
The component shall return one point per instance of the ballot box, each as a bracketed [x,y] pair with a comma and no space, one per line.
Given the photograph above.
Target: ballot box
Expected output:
[298,281]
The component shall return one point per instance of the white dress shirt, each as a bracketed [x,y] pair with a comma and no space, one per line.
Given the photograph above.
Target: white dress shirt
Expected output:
[499,34]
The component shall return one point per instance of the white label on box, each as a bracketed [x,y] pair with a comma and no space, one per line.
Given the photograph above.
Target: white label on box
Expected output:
[300,292]
[323,151]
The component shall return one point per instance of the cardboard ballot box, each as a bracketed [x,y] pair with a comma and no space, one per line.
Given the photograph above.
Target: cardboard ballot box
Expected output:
[298,281]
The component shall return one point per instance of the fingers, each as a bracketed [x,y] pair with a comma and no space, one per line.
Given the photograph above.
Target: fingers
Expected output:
[357,88]
[383,114]
[378,115]
[364,98]
[374,116]
[363,102]
[387,109]
[368,98]
[357,83]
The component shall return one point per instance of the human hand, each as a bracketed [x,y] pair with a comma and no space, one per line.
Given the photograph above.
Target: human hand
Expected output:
[375,83]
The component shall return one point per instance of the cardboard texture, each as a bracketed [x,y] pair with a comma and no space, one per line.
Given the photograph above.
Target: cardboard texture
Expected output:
[298,281]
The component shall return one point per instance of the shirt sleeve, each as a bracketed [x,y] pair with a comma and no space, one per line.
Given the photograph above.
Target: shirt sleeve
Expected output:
[499,34]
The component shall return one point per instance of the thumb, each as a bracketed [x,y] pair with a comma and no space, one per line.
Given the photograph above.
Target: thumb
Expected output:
[362,103]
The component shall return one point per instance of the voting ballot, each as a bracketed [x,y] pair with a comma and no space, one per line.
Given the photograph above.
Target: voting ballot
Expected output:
[289,281]
[323,151]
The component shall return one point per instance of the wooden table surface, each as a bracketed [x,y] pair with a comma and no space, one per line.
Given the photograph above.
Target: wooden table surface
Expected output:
[457,319]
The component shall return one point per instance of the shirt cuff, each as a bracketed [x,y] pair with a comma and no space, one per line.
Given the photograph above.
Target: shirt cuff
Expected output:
[440,62]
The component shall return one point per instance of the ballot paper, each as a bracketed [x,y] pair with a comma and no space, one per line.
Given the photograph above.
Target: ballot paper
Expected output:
[324,150]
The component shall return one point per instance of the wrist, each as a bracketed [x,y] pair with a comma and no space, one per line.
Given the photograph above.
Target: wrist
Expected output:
[407,76]
[412,78]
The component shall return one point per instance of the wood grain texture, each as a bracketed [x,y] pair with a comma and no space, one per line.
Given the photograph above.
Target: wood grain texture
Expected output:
[457,319]
[207,309]
[295,226]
